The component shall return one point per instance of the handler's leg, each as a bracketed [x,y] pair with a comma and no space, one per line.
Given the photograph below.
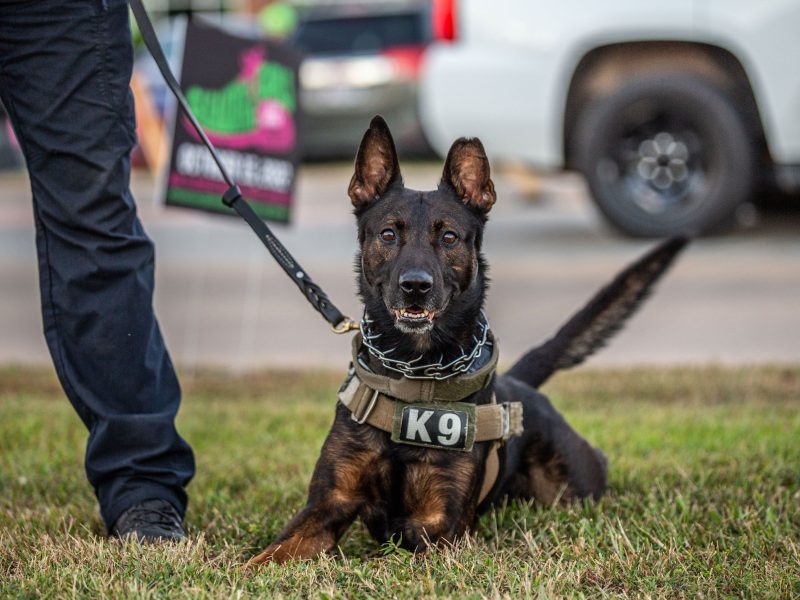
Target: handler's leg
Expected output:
[65,67]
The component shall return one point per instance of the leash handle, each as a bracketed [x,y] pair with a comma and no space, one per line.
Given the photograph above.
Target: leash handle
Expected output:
[233,195]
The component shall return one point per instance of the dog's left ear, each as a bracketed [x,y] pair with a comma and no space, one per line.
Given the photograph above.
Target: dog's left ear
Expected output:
[376,165]
[467,171]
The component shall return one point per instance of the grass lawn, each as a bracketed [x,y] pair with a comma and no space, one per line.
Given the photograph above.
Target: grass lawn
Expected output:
[704,496]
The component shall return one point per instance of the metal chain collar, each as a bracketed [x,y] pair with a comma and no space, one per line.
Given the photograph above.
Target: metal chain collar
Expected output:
[413,370]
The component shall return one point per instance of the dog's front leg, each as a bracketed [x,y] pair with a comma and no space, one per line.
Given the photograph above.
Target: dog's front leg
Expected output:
[334,501]
[314,530]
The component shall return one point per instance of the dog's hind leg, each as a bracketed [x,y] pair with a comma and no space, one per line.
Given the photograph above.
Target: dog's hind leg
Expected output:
[551,462]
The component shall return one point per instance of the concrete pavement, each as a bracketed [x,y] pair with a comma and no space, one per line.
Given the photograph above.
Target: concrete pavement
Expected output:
[222,301]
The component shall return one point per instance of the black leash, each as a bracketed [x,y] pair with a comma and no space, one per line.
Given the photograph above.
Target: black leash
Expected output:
[233,196]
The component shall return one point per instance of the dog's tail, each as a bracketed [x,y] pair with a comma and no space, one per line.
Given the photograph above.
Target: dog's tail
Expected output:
[605,314]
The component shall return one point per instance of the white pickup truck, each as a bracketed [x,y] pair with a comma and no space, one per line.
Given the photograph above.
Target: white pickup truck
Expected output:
[674,111]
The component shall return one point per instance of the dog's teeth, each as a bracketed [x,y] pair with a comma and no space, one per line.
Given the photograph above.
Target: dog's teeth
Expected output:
[415,315]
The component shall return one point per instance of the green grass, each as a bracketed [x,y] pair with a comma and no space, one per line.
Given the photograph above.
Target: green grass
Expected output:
[704,497]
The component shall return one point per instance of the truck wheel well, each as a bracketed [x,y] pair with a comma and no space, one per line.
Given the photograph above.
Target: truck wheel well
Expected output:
[604,69]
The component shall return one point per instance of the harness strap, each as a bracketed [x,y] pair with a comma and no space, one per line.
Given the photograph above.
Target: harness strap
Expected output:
[490,472]
[426,390]
[493,422]
[233,196]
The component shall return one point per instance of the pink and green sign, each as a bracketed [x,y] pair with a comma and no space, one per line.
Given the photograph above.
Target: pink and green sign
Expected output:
[244,93]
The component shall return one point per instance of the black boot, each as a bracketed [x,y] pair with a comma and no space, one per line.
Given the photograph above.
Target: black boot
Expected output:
[150,521]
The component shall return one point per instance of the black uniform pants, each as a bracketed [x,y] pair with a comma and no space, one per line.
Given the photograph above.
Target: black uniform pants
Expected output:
[65,68]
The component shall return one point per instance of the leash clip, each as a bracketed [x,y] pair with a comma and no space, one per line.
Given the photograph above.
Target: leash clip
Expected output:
[346,325]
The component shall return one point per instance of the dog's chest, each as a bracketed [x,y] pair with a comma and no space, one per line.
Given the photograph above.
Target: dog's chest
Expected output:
[414,492]
[409,493]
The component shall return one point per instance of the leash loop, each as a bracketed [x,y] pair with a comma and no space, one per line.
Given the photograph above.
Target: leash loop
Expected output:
[233,195]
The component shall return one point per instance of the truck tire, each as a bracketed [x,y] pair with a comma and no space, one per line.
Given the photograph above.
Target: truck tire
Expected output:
[666,154]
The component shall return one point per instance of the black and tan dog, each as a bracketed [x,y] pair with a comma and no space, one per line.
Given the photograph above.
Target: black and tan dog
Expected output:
[425,435]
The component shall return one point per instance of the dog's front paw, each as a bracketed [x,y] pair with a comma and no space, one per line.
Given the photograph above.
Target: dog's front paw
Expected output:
[292,548]
[271,554]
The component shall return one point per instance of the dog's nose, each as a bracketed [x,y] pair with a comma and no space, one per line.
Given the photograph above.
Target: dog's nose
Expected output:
[416,281]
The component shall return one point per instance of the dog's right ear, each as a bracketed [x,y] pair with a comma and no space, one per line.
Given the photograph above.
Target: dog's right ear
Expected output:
[376,165]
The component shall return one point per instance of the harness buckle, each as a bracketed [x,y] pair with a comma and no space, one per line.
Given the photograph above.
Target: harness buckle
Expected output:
[363,418]
[511,420]
[506,423]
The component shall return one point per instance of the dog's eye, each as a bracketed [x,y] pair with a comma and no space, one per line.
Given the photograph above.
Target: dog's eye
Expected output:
[388,235]
[450,238]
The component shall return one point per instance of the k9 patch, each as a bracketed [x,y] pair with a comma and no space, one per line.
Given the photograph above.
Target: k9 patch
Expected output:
[445,425]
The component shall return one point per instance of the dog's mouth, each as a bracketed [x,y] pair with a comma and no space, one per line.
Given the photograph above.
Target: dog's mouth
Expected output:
[416,319]
[414,315]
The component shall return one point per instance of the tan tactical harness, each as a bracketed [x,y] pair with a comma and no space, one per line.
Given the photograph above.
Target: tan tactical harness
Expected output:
[373,399]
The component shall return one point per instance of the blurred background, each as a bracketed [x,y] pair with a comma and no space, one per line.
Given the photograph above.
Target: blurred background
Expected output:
[608,125]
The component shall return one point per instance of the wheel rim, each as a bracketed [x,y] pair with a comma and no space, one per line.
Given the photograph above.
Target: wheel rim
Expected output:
[657,161]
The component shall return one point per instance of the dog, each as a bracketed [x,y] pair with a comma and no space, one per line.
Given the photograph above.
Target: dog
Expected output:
[426,436]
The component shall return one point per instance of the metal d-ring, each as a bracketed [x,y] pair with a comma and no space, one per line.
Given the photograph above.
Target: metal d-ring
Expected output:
[361,420]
